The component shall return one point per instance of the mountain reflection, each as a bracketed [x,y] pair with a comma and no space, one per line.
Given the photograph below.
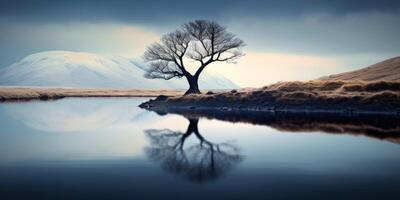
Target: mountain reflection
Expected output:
[197,161]
[382,127]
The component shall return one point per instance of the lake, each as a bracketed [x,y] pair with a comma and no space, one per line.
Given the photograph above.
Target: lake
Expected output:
[108,148]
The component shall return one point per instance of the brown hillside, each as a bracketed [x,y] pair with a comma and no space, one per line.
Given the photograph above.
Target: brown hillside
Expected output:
[388,70]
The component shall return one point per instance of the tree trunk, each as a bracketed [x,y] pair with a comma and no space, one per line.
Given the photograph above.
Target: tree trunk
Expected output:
[192,128]
[193,85]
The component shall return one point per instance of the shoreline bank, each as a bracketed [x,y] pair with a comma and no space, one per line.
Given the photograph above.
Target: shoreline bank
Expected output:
[11,94]
[339,97]
[165,107]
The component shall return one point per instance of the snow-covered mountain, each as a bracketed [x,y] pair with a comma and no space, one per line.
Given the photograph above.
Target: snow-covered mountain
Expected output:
[78,69]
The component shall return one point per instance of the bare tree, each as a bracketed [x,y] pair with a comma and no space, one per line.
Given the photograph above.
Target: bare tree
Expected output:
[201,41]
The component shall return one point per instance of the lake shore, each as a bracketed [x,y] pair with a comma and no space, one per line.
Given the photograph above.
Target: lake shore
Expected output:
[9,94]
[354,97]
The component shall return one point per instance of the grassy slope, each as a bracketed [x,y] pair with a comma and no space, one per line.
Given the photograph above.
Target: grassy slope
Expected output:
[332,95]
[387,70]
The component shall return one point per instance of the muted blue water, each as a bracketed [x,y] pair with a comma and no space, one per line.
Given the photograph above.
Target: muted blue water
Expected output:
[111,149]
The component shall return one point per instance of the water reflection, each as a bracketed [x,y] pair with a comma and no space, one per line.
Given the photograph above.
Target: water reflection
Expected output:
[73,129]
[79,146]
[72,115]
[378,127]
[199,161]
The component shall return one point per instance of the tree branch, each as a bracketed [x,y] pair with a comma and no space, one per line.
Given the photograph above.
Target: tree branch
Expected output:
[163,70]
[200,40]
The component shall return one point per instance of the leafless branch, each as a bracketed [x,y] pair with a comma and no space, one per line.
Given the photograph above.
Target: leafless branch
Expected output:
[163,70]
[202,41]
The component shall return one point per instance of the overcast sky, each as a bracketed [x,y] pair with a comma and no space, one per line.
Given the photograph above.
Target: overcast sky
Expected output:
[286,40]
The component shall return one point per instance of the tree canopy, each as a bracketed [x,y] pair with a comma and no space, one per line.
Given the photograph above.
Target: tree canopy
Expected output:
[201,41]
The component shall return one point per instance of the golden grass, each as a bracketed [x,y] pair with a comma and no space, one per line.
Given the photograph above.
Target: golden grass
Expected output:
[381,93]
[21,94]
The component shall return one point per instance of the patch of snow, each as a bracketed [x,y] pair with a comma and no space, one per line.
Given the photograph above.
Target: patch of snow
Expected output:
[79,69]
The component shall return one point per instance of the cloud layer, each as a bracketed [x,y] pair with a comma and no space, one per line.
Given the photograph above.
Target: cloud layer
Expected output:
[353,33]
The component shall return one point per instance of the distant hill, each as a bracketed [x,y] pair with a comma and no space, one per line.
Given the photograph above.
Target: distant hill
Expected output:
[388,70]
[79,69]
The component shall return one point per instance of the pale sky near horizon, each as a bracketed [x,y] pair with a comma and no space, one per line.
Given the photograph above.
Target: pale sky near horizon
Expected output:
[286,40]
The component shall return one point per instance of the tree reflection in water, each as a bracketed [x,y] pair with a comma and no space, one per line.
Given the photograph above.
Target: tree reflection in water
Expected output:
[200,161]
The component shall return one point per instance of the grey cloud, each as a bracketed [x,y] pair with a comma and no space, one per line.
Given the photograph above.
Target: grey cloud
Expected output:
[368,32]
[326,27]
[160,11]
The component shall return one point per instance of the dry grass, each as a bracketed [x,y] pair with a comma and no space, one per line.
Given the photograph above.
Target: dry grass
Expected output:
[336,86]
[22,94]
[311,93]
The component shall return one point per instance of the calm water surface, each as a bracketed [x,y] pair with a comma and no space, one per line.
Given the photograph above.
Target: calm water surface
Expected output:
[111,149]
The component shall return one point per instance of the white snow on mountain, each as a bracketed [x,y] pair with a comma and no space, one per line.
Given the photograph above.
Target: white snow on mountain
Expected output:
[78,69]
